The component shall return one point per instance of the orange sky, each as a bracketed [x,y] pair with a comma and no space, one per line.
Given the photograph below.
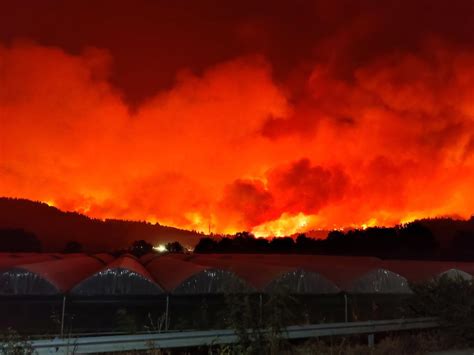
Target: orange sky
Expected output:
[239,146]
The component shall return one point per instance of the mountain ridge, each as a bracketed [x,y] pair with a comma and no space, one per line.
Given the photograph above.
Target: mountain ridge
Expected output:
[54,227]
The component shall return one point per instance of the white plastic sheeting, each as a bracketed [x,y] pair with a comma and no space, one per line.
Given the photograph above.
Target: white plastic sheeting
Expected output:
[45,274]
[257,275]
[47,278]
[210,281]
[22,282]
[123,277]
[380,281]
[182,277]
[303,282]
[456,274]
[417,271]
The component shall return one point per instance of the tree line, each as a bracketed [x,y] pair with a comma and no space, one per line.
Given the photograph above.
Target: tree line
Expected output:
[419,239]
[413,240]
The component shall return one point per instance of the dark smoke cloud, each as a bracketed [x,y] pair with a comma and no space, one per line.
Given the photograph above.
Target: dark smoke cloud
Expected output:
[150,41]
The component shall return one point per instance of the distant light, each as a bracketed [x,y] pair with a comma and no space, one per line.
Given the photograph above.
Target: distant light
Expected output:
[50,203]
[160,248]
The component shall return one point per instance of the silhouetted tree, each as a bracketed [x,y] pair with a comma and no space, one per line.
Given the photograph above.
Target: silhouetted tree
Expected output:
[73,247]
[262,245]
[140,248]
[174,247]
[414,240]
[206,245]
[244,235]
[335,236]
[244,242]
[303,243]
[282,245]
[463,245]
[18,240]
[417,238]
[224,245]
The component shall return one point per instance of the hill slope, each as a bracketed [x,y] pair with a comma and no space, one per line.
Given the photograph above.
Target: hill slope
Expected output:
[55,227]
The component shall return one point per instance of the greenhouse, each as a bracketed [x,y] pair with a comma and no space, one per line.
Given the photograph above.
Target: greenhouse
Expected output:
[301,281]
[271,275]
[154,274]
[47,277]
[379,281]
[322,274]
[181,277]
[419,271]
[124,276]
[9,260]
[191,291]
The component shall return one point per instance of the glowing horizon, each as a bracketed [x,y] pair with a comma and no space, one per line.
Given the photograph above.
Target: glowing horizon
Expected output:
[281,227]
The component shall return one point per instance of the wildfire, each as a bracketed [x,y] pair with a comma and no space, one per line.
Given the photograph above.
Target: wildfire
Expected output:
[236,149]
[152,220]
[50,203]
[371,223]
[285,225]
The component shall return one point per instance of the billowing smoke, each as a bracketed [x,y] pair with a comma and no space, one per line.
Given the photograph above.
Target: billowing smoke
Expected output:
[358,129]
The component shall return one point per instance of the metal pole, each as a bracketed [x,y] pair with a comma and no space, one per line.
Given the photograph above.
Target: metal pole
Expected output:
[346,316]
[62,316]
[261,307]
[371,340]
[167,311]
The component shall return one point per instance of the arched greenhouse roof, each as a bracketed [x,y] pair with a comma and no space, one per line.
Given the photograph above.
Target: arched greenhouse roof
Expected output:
[124,276]
[9,260]
[106,258]
[355,274]
[301,281]
[266,277]
[183,277]
[352,274]
[323,273]
[145,259]
[48,277]
[419,271]
[379,281]
[456,274]
[102,275]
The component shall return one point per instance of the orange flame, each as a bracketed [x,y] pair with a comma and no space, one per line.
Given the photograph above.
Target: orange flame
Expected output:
[232,150]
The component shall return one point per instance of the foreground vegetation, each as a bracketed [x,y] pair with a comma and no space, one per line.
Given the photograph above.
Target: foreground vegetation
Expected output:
[450,300]
[266,318]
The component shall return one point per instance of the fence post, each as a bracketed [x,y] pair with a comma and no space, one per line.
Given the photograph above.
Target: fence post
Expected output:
[167,311]
[346,315]
[371,340]
[62,316]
